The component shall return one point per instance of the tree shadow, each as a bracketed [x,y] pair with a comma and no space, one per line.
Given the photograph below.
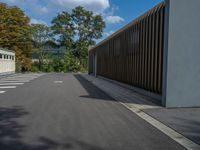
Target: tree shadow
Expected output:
[11,129]
[11,135]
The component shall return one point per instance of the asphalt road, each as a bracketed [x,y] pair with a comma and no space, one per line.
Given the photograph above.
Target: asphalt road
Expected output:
[74,115]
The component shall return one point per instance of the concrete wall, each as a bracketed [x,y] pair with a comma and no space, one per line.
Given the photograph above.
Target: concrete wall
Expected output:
[182,62]
[7,65]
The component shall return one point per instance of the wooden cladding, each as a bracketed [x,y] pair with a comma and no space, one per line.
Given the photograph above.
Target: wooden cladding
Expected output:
[134,55]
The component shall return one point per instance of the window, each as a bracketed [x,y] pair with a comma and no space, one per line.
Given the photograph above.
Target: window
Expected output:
[1,56]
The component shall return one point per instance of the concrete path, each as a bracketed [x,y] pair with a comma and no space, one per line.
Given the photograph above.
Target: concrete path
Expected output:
[184,120]
[65,111]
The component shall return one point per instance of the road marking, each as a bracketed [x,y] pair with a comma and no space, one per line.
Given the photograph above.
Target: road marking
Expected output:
[17,79]
[16,83]
[7,87]
[58,81]
[8,81]
[1,92]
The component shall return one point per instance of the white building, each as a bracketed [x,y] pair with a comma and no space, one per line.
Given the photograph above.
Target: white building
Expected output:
[7,61]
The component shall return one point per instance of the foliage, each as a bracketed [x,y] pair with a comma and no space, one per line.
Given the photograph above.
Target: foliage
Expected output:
[40,35]
[72,64]
[15,34]
[54,64]
[78,30]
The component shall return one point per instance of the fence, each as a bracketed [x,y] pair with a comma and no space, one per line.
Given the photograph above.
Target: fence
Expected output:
[134,54]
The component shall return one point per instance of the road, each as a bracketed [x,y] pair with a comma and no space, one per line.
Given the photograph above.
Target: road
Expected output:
[65,111]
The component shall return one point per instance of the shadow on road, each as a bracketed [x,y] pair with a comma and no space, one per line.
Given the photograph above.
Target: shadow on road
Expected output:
[11,134]
[11,129]
[97,93]
[93,91]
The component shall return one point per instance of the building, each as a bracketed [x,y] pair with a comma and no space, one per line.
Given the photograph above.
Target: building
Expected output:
[7,61]
[50,49]
[157,54]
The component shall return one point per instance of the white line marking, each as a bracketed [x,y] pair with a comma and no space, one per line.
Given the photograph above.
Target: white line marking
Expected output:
[58,81]
[8,81]
[7,87]
[18,79]
[1,92]
[11,83]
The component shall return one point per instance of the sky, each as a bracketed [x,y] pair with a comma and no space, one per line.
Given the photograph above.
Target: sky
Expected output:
[116,13]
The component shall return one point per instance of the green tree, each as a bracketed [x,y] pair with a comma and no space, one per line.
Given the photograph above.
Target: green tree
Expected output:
[41,34]
[63,27]
[15,34]
[78,30]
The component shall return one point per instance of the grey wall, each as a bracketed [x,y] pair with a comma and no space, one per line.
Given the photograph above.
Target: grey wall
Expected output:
[182,62]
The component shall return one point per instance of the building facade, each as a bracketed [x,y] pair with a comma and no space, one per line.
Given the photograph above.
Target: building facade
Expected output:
[157,54]
[7,61]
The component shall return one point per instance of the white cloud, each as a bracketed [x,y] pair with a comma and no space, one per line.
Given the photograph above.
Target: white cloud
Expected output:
[47,9]
[44,10]
[108,33]
[94,5]
[113,19]
[38,6]
[37,21]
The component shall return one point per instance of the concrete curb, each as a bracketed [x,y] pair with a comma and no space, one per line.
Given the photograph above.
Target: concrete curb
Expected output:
[137,109]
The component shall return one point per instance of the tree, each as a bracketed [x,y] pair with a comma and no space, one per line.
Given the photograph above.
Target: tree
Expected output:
[63,27]
[78,30]
[41,35]
[15,34]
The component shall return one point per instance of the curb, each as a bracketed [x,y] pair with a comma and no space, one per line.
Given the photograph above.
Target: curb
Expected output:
[179,138]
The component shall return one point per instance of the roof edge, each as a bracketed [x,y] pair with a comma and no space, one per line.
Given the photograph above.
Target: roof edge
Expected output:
[7,50]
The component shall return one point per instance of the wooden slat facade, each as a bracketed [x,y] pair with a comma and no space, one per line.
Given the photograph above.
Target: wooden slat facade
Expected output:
[134,54]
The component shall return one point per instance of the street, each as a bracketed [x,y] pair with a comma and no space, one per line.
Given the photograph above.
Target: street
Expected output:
[65,111]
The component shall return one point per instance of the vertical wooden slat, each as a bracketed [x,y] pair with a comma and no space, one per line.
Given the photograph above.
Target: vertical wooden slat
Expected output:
[146,52]
[143,55]
[152,53]
[160,52]
[134,55]
[137,54]
[140,55]
[156,53]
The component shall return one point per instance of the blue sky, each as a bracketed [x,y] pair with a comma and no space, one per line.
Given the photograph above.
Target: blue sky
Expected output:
[116,13]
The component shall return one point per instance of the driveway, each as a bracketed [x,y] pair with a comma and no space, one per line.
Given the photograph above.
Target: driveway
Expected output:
[65,111]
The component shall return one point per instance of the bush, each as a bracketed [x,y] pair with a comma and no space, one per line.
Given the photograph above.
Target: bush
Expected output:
[68,63]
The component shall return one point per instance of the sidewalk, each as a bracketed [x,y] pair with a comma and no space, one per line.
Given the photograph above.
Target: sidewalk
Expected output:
[184,120]
[181,124]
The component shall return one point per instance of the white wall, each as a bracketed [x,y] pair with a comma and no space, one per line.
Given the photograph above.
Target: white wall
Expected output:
[182,62]
[7,65]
